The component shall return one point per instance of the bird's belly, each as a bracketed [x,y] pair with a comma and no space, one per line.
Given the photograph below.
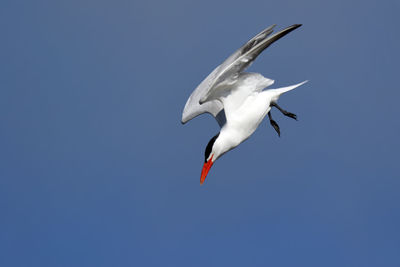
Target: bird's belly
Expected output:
[247,118]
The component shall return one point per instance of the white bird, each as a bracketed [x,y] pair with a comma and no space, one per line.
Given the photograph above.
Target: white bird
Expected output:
[236,99]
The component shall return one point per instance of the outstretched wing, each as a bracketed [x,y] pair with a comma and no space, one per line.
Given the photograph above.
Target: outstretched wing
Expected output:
[193,108]
[230,71]
[199,102]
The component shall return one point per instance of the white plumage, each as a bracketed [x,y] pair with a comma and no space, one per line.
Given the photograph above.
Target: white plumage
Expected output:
[236,98]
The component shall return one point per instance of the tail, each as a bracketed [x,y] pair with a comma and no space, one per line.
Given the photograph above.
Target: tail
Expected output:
[279,91]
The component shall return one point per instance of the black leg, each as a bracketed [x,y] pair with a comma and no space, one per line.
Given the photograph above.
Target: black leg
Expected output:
[284,112]
[274,124]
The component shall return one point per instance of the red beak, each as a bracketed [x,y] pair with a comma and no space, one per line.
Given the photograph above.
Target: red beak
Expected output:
[206,168]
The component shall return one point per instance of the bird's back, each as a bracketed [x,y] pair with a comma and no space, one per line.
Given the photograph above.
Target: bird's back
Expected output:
[238,99]
[246,105]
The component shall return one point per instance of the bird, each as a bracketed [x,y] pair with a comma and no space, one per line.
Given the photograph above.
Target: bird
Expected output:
[237,99]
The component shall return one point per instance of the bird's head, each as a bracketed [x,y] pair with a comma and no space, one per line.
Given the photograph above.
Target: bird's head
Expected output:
[216,147]
[209,158]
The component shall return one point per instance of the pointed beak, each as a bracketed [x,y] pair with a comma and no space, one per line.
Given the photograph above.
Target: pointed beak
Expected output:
[206,168]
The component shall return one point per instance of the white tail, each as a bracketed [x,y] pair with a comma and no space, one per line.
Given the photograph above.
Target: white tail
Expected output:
[282,90]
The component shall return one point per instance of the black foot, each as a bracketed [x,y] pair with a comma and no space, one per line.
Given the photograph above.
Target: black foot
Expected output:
[274,124]
[284,112]
[291,115]
[276,127]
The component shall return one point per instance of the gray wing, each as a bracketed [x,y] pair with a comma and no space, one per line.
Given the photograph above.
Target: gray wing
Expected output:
[229,72]
[193,108]
[246,47]
[229,69]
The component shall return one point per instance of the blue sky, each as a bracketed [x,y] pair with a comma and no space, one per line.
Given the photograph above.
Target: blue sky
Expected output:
[97,170]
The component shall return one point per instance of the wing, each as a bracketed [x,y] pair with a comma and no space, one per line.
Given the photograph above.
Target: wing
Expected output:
[193,108]
[199,101]
[229,72]
[246,47]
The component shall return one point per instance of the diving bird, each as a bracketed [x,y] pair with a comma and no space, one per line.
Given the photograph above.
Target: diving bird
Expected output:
[237,99]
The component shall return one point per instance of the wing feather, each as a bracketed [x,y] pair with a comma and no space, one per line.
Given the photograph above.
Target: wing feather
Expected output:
[228,71]
[245,60]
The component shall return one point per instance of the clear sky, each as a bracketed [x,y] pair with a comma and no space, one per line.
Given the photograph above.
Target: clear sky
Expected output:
[97,170]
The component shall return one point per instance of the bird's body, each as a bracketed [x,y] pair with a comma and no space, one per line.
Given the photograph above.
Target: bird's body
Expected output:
[236,98]
[245,107]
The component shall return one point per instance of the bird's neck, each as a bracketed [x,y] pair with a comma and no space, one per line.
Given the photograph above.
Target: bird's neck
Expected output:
[227,140]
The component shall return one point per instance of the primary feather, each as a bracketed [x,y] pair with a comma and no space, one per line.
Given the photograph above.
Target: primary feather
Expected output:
[229,71]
